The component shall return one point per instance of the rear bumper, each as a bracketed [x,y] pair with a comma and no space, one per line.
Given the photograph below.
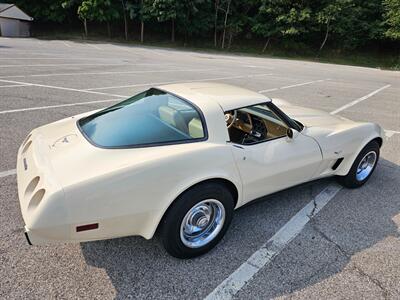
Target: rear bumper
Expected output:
[48,236]
[34,239]
[27,238]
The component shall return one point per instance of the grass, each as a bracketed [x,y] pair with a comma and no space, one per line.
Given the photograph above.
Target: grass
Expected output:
[372,59]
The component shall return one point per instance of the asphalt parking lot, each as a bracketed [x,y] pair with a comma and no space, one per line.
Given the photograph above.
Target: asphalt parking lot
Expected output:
[349,250]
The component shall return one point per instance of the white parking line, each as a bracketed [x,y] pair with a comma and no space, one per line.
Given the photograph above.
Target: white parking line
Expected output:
[85,64]
[359,99]
[8,173]
[56,106]
[13,85]
[262,257]
[293,85]
[62,88]
[42,58]
[127,48]
[93,46]
[107,73]
[258,67]
[66,44]
[179,81]
[390,133]
[83,103]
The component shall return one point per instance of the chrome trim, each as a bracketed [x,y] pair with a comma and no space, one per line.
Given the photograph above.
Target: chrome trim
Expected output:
[366,166]
[202,223]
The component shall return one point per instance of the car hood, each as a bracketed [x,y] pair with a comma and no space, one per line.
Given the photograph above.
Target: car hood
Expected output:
[335,135]
[314,118]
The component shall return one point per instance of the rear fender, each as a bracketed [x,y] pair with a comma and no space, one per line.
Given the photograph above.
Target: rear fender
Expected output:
[157,216]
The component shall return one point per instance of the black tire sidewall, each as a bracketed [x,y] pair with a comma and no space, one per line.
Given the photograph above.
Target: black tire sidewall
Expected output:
[170,234]
[350,180]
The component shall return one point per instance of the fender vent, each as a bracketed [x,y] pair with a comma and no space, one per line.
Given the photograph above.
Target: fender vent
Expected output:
[337,163]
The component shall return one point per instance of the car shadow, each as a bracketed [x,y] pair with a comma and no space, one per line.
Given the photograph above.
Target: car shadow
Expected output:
[140,268]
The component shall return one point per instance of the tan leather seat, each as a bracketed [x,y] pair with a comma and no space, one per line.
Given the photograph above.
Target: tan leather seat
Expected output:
[173,117]
[196,128]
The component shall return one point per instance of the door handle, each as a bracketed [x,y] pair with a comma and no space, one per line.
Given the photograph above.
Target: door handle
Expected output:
[237,146]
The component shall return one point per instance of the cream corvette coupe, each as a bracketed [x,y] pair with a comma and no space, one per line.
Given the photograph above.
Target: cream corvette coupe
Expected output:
[179,159]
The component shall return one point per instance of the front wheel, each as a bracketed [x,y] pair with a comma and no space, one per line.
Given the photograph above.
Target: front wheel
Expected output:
[363,166]
[197,220]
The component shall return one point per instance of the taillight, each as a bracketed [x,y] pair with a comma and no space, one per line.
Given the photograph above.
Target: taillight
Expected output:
[87,227]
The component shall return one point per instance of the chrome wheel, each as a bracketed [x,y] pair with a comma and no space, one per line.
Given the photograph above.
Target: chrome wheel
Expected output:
[202,223]
[366,166]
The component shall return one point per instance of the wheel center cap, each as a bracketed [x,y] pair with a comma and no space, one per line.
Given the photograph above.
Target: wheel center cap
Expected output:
[202,221]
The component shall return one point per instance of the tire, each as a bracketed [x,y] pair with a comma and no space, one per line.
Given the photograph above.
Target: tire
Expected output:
[192,207]
[355,178]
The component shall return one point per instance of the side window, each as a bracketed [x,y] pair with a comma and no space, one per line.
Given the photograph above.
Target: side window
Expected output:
[182,116]
[254,124]
[150,118]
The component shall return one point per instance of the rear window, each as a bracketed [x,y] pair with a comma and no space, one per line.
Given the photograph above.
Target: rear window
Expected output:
[150,118]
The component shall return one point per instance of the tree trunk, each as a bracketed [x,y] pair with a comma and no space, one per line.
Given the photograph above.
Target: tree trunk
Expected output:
[185,38]
[326,36]
[266,44]
[141,31]
[125,26]
[173,30]
[225,22]
[85,27]
[125,19]
[216,22]
[230,39]
[109,30]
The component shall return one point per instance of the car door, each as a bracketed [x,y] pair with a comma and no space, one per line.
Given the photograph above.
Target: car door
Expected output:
[276,164]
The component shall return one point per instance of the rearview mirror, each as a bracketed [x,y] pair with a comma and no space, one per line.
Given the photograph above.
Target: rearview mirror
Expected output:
[291,134]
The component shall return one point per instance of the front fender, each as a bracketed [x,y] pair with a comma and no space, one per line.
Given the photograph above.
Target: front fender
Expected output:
[368,132]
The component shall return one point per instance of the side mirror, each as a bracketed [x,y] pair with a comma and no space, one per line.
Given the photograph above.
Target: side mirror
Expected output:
[291,134]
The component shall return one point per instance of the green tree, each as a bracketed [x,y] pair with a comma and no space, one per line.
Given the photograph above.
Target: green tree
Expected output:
[166,10]
[331,17]
[392,18]
[351,23]
[282,18]
[44,10]
[240,18]
[264,23]
[141,10]
[94,10]
[125,13]
[87,11]
[194,17]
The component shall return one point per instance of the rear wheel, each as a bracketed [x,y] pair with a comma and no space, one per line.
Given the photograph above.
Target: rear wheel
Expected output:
[197,220]
[363,166]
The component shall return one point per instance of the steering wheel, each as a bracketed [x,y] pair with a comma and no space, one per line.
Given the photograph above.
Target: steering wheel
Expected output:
[229,119]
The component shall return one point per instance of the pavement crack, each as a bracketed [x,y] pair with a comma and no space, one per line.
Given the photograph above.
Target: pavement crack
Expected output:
[296,285]
[324,236]
[311,215]
[372,279]
[348,256]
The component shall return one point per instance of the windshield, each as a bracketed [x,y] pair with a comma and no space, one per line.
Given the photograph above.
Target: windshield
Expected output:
[149,118]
